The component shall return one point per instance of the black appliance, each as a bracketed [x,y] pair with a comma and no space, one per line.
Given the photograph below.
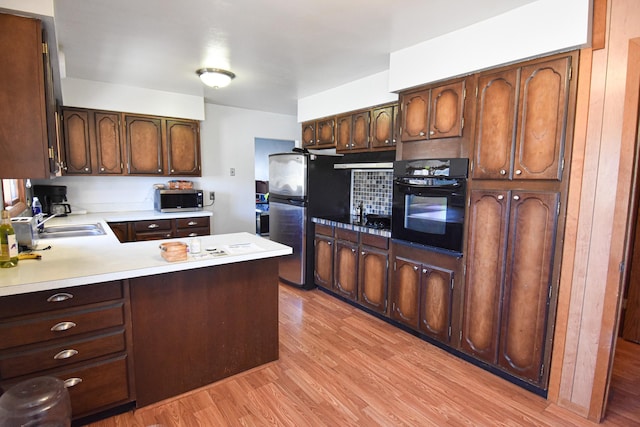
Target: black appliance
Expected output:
[53,199]
[302,186]
[178,200]
[429,202]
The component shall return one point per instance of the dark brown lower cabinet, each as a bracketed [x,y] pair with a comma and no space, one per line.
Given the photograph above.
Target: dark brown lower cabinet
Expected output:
[323,267]
[346,264]
[512,236]
[422,295]
[195,327]
[373,273]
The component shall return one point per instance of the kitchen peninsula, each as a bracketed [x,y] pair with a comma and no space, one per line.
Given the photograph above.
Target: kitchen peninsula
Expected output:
[122,326]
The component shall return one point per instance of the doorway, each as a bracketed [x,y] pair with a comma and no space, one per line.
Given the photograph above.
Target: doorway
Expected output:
[263,148]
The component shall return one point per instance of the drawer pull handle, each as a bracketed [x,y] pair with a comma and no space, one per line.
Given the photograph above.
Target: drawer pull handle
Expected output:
[190,223]
[71,382]
[193,234]
[62,326]
[62,296]
[65,354]
[153,226]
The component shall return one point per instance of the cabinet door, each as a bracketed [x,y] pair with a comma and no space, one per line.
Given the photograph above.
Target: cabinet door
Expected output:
[360,134]
[382,127]
[446,112]
[121,230]
[373,278]
[532,235]
[542,112]
[405,295]
[415,112]
[323,272]
[346,269]
[326,132]
[24,150]
[108,145]
[76,141]
[183,148]
[495,124]
[435,302]
[343,133]
[486,246]
[308,133]
[144,145]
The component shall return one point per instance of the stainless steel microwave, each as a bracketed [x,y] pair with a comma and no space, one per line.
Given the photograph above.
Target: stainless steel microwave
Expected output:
[178,200]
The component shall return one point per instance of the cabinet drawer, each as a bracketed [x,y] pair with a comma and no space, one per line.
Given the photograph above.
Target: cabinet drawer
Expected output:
[37,302]
[349,235]
[325,230]
[68,324]
[93,386]
[156,225]
[192,232]
[197,222]
[158,235]
[59,355]
[374,240]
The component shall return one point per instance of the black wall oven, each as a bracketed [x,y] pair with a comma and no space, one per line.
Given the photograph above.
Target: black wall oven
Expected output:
[429,202]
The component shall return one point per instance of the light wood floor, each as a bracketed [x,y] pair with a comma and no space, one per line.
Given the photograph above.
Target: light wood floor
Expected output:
[339,366]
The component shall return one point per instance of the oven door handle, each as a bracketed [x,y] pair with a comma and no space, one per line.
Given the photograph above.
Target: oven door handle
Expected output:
[453,186]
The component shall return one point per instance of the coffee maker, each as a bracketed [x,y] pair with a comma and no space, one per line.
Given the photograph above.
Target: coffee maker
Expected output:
[53,199]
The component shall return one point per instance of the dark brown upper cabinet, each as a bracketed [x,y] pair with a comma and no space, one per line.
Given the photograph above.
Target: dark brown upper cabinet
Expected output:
[144,145]
[520,121]
[433,113]
[92,142]
[384,126]
[183,148]
[27,146]
[319,133]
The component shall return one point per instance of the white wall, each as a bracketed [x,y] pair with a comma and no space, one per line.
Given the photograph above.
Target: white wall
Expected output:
[535,29]
[228,141]
[114,97]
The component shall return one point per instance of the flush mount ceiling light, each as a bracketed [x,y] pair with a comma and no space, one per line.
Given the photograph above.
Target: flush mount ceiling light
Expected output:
[215,77]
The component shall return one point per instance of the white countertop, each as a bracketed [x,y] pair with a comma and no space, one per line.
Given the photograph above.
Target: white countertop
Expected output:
[77,261]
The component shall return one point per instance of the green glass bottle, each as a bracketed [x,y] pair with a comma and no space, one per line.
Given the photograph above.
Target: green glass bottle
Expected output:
[8,242]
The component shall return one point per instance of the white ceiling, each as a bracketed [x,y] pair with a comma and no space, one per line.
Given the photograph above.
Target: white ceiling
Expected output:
[280,50]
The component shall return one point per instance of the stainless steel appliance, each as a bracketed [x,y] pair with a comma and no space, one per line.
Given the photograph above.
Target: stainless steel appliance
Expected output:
[301,186]
[429,202]
[178,200]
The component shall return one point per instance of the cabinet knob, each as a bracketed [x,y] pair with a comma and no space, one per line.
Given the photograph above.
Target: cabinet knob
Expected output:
[415,268]
[500,197]
[101,169]
[364,253]
[62,296]
[86,169]
[193,234]
[386,141]
[159,170]
[422,133]
[432,133]
[192,223]
[518,172]
[516,197]
[353,250]
[62,326]
[424,271]
[65,354]
[329,243]
[152,226]
[503,172]
[70,382]
[173,170]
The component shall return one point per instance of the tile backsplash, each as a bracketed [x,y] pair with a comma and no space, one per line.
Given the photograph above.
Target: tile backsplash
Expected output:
[374,188]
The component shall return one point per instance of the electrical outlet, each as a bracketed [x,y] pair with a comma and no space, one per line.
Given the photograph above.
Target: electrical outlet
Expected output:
[232,171]
[212,196]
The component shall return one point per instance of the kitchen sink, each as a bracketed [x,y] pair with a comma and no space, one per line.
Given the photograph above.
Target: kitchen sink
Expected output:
[77,230]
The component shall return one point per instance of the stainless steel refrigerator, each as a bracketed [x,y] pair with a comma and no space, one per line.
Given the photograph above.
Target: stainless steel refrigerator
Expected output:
[301,186]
